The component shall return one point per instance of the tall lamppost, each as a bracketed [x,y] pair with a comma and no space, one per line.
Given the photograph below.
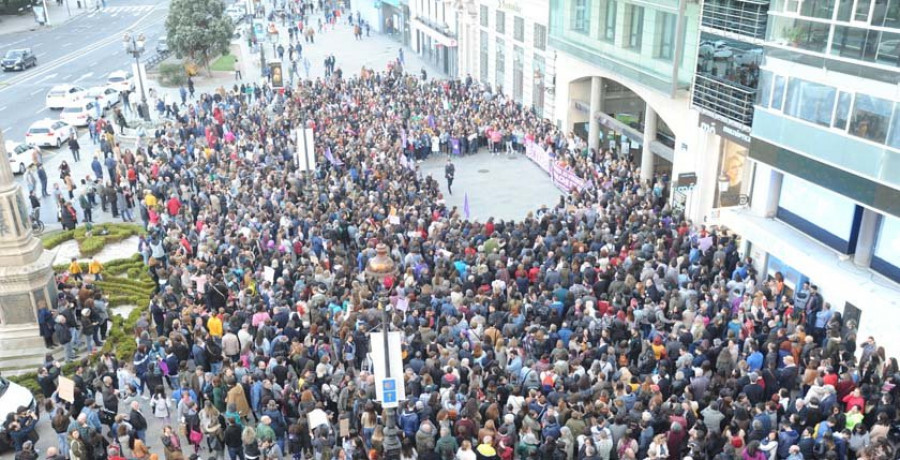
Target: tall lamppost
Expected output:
[135,47]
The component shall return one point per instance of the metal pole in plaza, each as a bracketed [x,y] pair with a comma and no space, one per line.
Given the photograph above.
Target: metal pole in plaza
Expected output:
[135,47]
[391,439]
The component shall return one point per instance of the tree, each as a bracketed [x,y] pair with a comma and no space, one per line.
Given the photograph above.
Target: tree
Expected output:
[198,30]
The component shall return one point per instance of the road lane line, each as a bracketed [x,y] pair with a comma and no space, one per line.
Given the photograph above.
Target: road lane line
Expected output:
[47,77]
[7,129]
[36,91]
[2,108]
[87,75]
[41,110]
[114,38]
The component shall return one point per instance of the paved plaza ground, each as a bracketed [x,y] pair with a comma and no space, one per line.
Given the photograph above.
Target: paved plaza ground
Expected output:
[505,187]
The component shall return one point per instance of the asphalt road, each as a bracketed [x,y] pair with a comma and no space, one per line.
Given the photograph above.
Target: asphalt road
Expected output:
[83,52]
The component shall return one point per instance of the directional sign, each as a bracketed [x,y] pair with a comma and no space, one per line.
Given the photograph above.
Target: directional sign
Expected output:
[389,390]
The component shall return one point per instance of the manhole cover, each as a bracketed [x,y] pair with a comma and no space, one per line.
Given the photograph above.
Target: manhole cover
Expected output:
[484,171]
[512,157]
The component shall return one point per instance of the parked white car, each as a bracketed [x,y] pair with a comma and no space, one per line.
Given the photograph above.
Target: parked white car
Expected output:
[60,95]
[105,96]
[48,132]
[121,80]
[79,113]
[12,397]
[21,156]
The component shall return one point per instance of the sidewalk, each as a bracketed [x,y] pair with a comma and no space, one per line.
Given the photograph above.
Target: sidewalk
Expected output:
[59,14]
[351,55]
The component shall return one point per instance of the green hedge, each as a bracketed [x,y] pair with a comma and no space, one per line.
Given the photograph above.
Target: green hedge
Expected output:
[89,246]
[121,291]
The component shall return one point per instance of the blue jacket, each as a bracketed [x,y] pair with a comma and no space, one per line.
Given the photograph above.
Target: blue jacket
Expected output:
[409,423]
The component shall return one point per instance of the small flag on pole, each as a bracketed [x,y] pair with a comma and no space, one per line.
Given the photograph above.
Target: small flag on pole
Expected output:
[466,210]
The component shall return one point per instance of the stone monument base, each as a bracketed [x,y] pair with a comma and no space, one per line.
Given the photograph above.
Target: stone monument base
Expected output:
[24,289]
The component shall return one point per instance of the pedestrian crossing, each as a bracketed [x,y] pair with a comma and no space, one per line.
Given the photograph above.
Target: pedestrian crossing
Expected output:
[123,10]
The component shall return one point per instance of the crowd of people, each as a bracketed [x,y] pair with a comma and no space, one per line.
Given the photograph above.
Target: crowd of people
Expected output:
[604,327]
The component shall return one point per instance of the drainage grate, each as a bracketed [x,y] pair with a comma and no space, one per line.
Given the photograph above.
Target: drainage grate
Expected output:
[484,171]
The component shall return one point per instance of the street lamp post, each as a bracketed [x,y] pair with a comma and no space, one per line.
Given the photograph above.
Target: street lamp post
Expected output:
[392,443]
[134,45]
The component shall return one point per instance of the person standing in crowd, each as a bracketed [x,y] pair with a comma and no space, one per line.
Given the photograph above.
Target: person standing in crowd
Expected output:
[449,173]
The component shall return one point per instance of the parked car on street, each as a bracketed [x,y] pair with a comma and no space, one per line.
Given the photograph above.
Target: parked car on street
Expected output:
[12,397]
[121,80]
[79,113]
[48,132]
[105,96]
[162,46]
[60,95]
[18,59]
[21,155]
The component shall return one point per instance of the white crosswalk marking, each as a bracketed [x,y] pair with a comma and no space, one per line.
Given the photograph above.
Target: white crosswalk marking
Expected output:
[116,10]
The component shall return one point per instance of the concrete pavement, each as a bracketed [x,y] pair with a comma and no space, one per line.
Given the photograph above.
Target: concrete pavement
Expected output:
[58,15]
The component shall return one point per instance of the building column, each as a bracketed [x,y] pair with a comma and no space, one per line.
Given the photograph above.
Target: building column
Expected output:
[647,159]
[766,191]
[865,241]
[594,122]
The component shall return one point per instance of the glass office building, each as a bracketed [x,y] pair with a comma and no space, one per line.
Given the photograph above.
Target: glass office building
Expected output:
[825,154]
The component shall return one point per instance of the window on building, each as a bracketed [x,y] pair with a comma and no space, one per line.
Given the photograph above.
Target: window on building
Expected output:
[765,89]
[810,101]
[519,29]
[842,113]
[500,76]
[580,16]
[485,56]
[822,9]
[518,74]
[537,90]
[867,45]
[635,27]
[666,35]
[894,135]
[870,118]
[861,13]
[778,92]
[540,37]
[887,16]
[609,21]
[501,22]
[483,15]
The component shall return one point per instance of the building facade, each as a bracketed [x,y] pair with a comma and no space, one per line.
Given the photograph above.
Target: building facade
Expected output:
[821,174]
[434,27]
[505,47]
[623,72]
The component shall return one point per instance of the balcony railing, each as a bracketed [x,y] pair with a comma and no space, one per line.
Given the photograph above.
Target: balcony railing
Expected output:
[743,17]
[726,98]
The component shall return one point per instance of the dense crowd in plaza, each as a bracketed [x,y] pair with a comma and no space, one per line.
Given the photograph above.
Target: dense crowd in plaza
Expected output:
[605,327]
